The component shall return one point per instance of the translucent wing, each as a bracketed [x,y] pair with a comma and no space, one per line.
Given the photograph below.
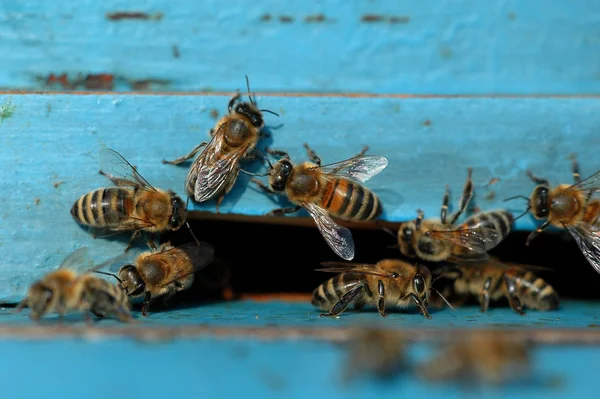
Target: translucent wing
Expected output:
[123,173]
[590,183]
[338,238]
[78,260]
[360,268]
[213,170]
[360,169]
[587,237]
[201,255]
[477,240]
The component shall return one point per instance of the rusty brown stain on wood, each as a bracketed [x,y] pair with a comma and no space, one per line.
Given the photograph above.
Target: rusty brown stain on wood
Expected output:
[377,18]
[124,15]
[36,201]
[146,84]
[175,51]
[512,16]
[315,18]
[285,19]
[214,113]
[57,184]
[103,81]
[427,122]
[265,17]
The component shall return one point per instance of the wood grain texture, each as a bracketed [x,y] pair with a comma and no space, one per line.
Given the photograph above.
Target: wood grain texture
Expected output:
[50,146]
[465,46]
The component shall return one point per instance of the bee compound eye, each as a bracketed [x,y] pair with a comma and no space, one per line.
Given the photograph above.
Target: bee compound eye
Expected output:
[419,284]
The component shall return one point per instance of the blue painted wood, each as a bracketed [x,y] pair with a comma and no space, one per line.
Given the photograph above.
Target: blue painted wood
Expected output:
[234,368]
[276,313]
[466,46]
[50,146]
[281,368]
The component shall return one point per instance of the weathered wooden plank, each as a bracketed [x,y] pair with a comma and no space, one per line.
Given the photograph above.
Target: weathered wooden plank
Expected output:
[50,145]
[466,46]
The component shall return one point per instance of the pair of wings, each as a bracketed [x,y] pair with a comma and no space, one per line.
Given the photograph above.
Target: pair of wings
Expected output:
[358,268]
[476,240]
[211,170]
[359,169]
[124,175]
[446,271]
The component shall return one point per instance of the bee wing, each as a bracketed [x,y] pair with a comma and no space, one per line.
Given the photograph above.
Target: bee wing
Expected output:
[587,237]
[78,260]
[201,255]
[477,240]
[359,169]
[359,268]
[212,173]
[590,183]
[124,173]
[338,237]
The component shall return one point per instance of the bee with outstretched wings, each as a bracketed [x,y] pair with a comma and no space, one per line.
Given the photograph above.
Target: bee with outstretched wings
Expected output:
[326,191]
[133,205]
[572,207]
[214,172]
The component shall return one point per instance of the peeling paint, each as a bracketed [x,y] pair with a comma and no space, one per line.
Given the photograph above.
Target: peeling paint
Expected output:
[102,81]
[214,113]
[6,110]
[147,84]
[175,51]
[315,18]
[99,82]
[120,16]
[376,18]
[427,122]
[57,184]
[265,17]
[36,201]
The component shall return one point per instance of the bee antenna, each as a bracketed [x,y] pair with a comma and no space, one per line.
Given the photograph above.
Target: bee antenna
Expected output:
[515,197]
[523,214]
[252,100]
[270,112]
[444,299]
[262,154]
[254,174]
[110,274]
[192,232]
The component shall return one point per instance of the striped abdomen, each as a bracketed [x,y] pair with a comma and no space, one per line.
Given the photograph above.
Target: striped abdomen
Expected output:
[535,292]
[105,207]
[348,200]
[326,295]
[499,221]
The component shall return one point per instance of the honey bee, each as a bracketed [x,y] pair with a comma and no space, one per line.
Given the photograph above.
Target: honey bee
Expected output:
[570,207]
[162,272]
[433,240]
[376,351]
[390,282]
[64,291]
[234,137]
[493,280]
[325,190]
[490,358]
[134,205]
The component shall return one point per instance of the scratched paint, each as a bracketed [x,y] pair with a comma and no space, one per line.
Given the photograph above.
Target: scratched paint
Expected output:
[432,46]
[6,110]
[500,138]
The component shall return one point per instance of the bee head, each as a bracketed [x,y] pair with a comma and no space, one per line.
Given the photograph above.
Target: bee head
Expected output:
[250,111]
[179,214]
[39,299]
[131,281]
[540,206]
[280,173]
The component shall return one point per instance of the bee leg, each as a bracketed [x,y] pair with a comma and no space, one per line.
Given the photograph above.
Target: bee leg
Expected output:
[465,198]
[576,174]
[485,295]
[263,186]
[445,201]
[537,231]
[116,180]
[362,152]
[151,244]
[420,305]
[233,100]
[381,298]
[538,180]
[277,153]
[513,297]
[312,155]
[283,211]
[146,304]
[133,237]
[344,301]
[184,158]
